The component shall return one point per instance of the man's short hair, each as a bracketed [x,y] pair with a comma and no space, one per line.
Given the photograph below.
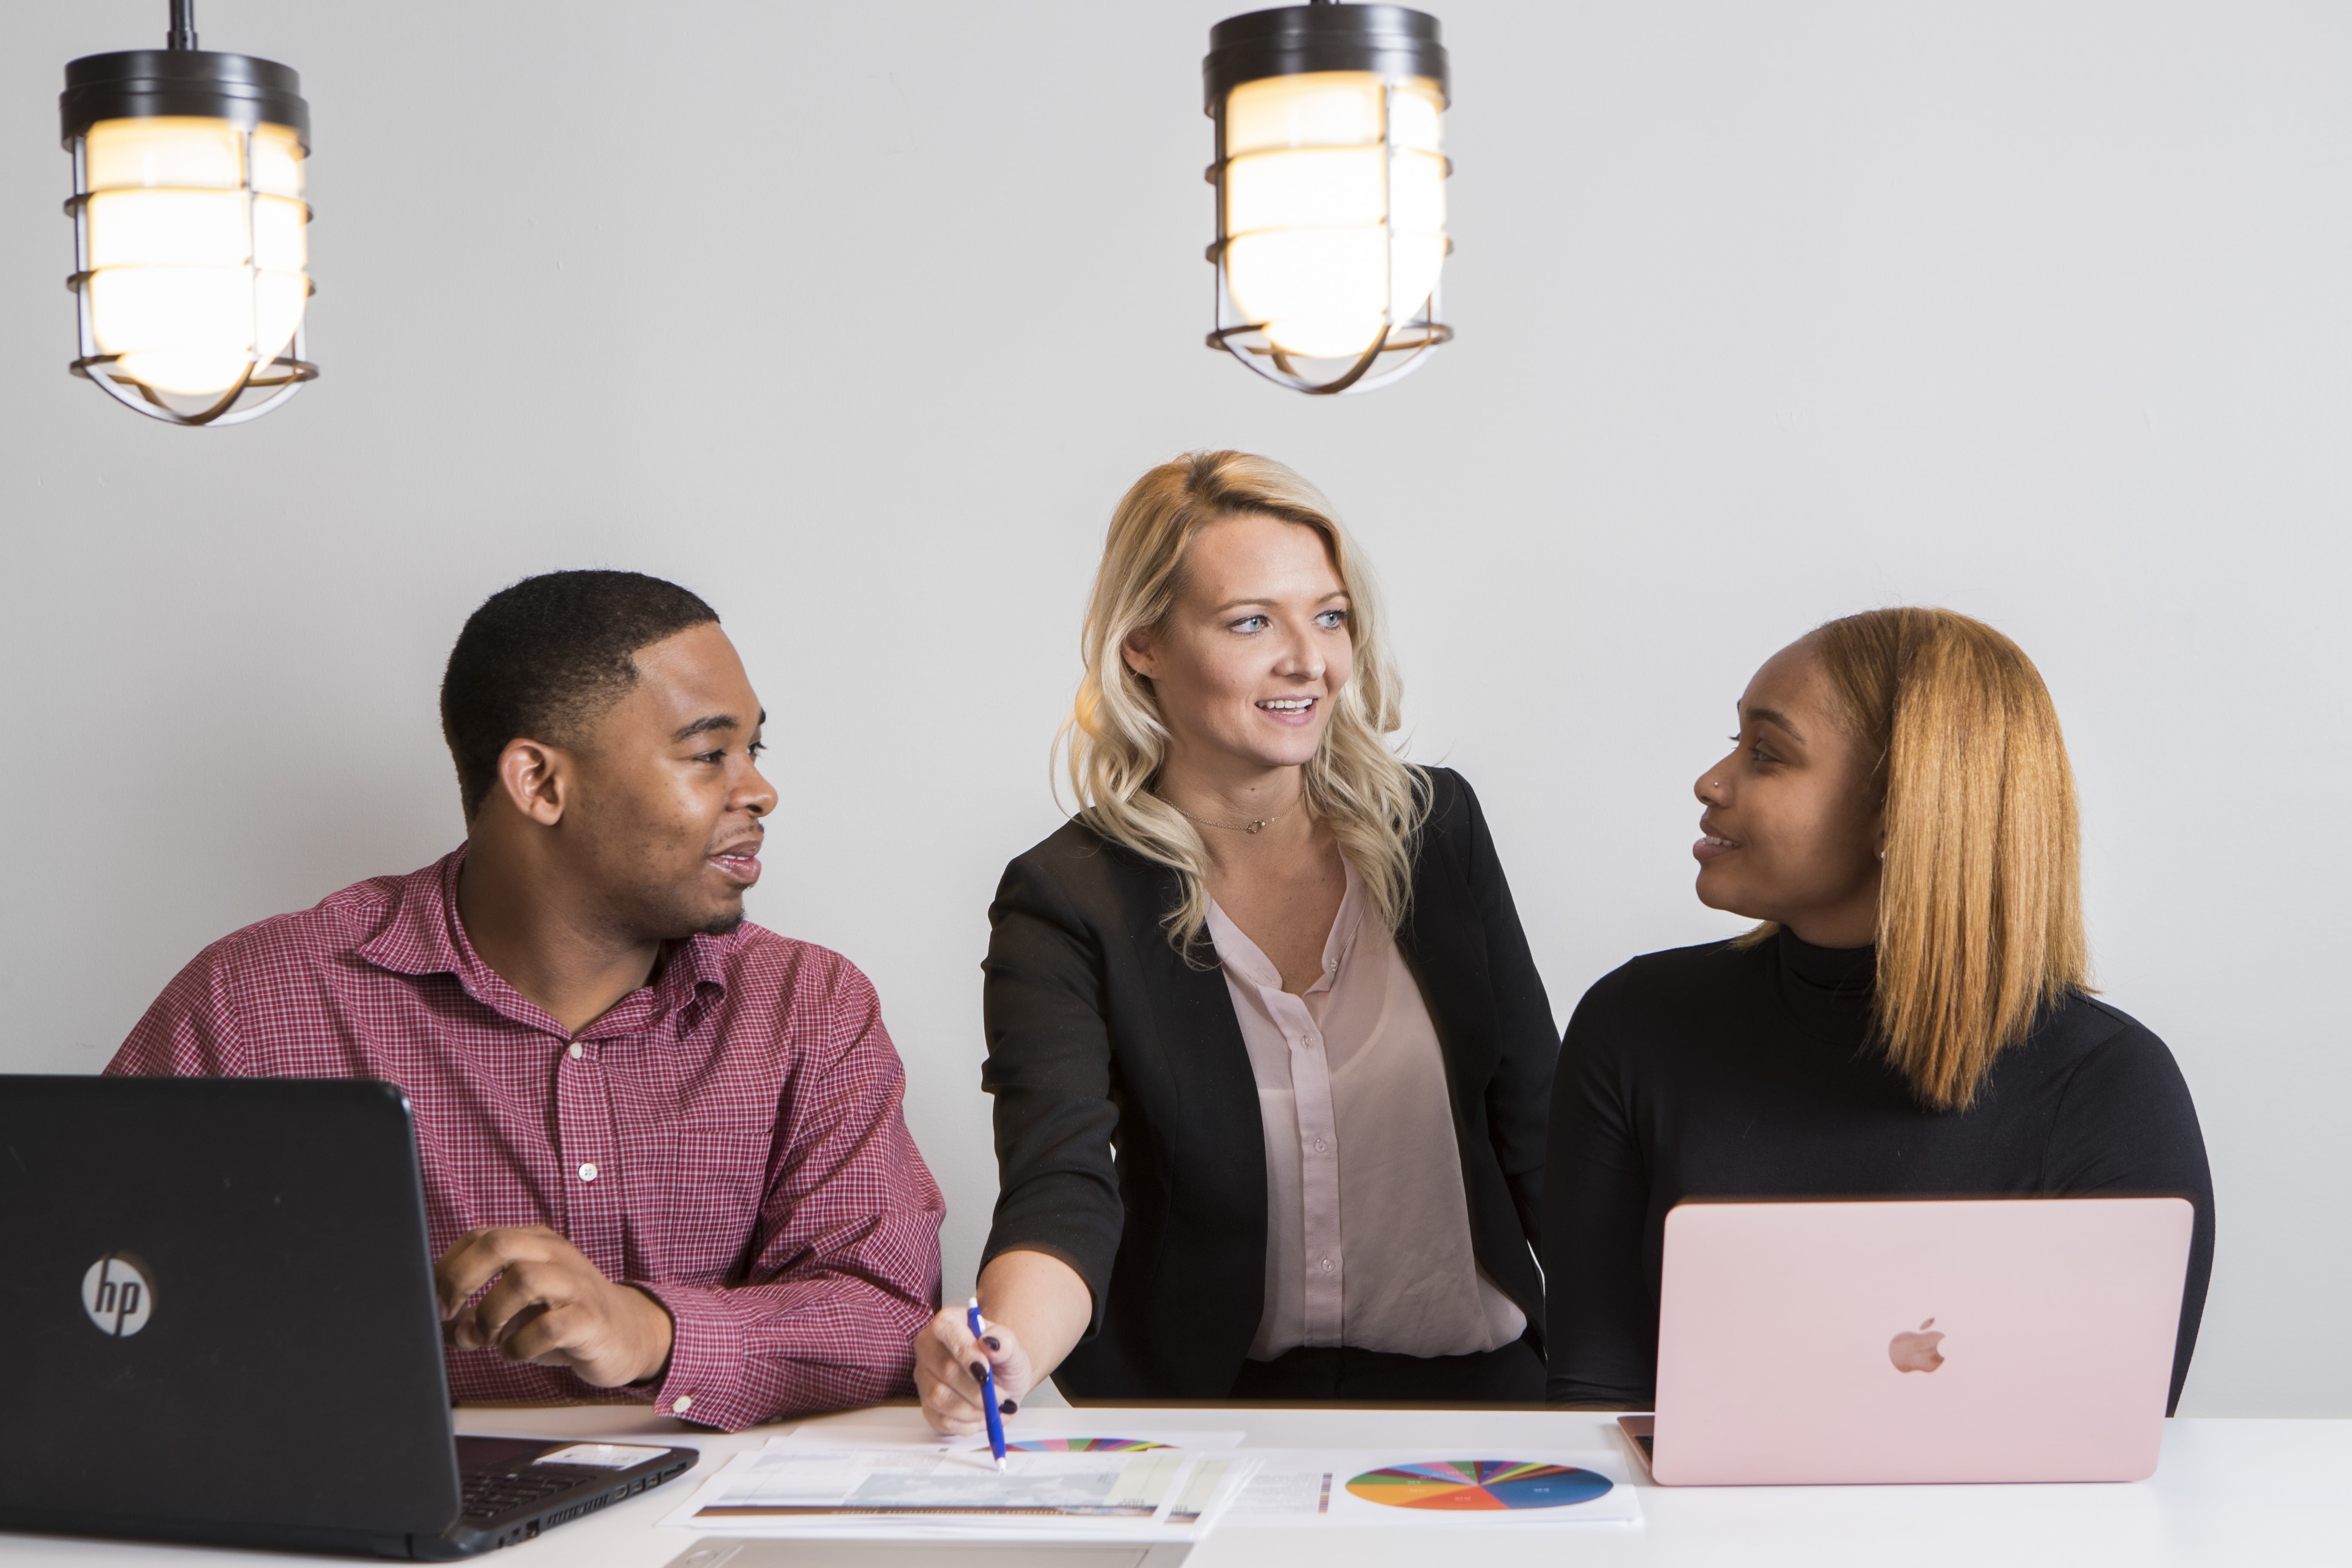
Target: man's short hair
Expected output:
[542,658]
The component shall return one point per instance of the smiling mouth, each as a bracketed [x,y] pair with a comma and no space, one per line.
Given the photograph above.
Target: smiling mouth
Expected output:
[741,866]
[1711,844]
[1286,704]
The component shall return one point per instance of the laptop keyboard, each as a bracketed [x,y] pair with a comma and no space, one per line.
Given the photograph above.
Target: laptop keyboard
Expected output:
[491,1493]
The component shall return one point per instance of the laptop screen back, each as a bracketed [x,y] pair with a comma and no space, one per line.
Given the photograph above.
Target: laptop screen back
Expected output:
[226,1289]
[1995,1339]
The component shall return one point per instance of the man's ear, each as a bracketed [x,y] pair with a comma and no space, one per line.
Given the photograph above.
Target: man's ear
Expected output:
[536,779]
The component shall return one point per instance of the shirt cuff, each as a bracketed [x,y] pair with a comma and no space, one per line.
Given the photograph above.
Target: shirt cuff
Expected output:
[704,1380]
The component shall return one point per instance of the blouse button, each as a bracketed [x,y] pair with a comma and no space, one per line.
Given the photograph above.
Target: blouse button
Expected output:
[1327,1266]
[588,1171]
[682,1404]
[1321,1146]
[575,1053]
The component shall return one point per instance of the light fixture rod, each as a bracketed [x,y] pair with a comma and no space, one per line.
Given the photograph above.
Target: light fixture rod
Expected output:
[182,34]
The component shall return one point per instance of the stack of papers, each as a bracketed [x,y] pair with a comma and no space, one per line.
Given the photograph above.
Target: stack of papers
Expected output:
[1127,1490]
[1142,1486]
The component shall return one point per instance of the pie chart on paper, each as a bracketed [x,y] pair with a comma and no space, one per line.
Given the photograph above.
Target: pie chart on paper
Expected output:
[1478,1486]
[1082,1445]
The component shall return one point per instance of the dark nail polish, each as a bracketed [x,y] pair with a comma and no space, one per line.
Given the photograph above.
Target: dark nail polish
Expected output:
[1008,1408]
[992,1342]
[979,1371]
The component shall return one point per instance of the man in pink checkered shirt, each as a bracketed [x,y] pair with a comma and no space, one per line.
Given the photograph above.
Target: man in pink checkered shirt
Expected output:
[663,1148]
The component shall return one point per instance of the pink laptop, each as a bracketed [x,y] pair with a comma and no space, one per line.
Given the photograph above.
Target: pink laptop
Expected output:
[1957,1339]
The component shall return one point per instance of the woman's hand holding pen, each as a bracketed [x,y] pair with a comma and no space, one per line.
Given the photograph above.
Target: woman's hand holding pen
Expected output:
[1037,1291]
[948,1371]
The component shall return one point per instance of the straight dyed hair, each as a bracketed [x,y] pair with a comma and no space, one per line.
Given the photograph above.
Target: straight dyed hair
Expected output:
[1115,739]
[1981,901]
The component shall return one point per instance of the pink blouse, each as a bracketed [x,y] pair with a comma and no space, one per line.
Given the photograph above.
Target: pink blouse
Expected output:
[1368,1229]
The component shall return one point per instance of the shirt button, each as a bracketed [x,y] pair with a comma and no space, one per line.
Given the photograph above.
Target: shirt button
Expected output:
[575,1052]
[1327,1266]
[588,1171]
[682,1404]
[1321,1146]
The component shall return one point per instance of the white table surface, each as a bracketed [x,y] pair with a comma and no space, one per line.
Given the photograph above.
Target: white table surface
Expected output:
[2227,1492]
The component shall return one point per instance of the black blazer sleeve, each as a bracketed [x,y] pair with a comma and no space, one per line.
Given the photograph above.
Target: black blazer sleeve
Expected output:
[1518,1096]
[1049,1070]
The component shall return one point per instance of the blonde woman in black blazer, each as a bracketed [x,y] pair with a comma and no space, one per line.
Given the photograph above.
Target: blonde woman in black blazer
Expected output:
[1269,1054]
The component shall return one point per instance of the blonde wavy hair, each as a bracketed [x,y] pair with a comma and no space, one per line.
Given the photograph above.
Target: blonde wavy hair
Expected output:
[1115,740]
[1981,901]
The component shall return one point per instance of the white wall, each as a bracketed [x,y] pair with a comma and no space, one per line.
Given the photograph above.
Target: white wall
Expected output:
[857,319]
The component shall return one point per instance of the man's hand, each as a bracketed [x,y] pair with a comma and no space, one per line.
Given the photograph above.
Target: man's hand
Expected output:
[550,1306]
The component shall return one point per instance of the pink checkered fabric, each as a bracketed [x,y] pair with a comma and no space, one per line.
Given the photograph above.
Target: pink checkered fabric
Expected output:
[728,1137]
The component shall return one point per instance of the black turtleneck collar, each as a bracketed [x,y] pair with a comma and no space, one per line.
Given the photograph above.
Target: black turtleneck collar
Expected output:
[1827,988]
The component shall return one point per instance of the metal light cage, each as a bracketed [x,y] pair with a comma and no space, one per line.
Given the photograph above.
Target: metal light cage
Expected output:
[1403,49]
[256,102]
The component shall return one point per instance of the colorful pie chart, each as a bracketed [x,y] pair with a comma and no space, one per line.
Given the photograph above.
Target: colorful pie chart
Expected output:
[1468,1486]
[1081,1446]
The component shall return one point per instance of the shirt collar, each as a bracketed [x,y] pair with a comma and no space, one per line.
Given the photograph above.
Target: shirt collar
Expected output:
[423,936]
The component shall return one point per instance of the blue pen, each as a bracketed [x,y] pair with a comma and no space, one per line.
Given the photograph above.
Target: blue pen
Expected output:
[987,1386]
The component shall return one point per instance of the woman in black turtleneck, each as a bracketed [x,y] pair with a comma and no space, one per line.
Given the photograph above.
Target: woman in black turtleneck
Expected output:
[1899,789]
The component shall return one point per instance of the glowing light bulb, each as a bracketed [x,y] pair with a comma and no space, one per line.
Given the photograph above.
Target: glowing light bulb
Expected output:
[196,254]
[1334,207]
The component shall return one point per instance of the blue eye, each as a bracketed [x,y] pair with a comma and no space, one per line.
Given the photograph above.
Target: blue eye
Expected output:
[1250,623]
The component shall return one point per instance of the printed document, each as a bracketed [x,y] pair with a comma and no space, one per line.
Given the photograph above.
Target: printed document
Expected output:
[799,1488]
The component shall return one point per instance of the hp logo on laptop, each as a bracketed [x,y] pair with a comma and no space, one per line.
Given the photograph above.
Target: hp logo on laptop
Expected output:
[118,1295]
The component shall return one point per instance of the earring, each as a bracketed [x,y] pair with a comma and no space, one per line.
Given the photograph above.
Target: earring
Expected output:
[1882,855]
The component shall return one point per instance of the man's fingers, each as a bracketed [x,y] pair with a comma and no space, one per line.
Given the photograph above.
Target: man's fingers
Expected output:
[523,1288]
[479,1255]
[548,1336]
[465,1269]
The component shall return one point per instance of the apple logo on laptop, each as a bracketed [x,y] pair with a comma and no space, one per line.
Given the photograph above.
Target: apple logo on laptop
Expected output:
[1915,1351]
[118,1295]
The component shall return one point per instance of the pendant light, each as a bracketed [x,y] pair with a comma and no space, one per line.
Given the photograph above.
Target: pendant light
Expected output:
[1330,179]
[191,269]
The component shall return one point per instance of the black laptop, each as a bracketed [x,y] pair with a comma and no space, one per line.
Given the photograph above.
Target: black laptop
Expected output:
[217,1295]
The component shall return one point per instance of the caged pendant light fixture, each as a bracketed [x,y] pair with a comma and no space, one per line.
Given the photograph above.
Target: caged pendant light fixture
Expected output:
[1330,178]
[191,260]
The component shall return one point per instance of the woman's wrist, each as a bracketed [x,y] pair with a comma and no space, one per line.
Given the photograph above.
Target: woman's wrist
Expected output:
[1042,1299]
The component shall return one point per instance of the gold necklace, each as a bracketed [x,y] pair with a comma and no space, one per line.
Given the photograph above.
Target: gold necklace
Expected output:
[1260,825]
